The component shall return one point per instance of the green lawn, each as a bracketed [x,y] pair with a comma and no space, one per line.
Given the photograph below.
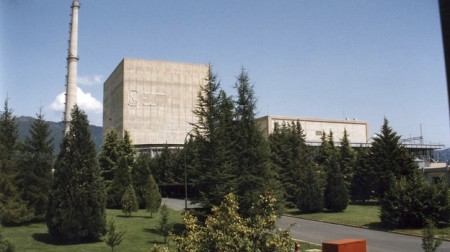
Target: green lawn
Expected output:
[141,234]
[360,216]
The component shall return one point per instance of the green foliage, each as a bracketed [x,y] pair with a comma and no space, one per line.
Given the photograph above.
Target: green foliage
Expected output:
[411,202]
[156,248]
[166,168]
[226,230]
[129,201]
[13,210]
[286,151]
[363,180]
[126,148]
[297,171]
[336,194]
[152,196]
[213,142]
[34,179]
[389,159]
[109,156]
[76,208]
[255,174]
[117,188]
[139,174]
[310,197]
[164,226]
[5,245]
[347,160]
[113,238]
[429,242]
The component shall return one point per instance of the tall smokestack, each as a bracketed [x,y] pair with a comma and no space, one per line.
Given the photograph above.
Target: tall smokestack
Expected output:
[72,60]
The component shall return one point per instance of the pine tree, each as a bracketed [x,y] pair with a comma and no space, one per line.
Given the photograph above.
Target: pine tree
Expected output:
[122,178]
[13,209]
[126,148]
[76,208]
[109,156]
[336,194]
[254,171]
[389,159]
[129,201]
[309,197]
[165,165]
[114,238]
[213,141]
[152,196]
[282,159]
[347,159]
[363,181]
[35,168]
[139,176]
[164,226]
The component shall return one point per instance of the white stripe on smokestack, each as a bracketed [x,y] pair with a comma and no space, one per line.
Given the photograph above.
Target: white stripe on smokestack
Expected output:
[72,59]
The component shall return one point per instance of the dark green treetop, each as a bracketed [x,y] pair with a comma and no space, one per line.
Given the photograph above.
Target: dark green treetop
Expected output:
[76,210]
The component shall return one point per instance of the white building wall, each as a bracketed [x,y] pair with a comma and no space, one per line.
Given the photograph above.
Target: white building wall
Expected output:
[358,131]
[157,100]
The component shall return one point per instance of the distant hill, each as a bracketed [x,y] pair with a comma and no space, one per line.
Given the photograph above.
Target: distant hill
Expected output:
[441,155]
[56,131]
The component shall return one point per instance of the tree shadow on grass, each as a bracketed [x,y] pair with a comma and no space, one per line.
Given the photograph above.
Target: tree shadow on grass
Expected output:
[48,239]
[152,230]
[133,216]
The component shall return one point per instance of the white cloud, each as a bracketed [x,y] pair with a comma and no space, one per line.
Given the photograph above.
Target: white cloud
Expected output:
[90,80]
[86,102]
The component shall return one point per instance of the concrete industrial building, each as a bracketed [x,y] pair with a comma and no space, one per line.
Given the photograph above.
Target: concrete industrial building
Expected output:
[358,131]
[152,100]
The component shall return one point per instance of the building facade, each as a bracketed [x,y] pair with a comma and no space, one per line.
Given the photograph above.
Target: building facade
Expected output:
[152,100]
[358,131]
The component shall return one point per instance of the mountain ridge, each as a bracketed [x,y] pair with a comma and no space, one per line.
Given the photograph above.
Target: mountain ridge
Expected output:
[56,131]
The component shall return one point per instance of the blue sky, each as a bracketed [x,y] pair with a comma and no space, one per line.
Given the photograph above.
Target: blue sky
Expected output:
[326,59]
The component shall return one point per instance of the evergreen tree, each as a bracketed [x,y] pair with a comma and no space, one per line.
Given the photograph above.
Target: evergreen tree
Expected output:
[114,238]
[13,209]
[254,173]
[122,179]
[109,156]
[165,166]
[152,196]
[389,159]
[129,201]
[363,181]
[213,141]
[76,208]
[126,148]
[419,201]
[323,156]
[282,158]
[347,159]
[164,226]
[139,176]
[35,168]
[336,194]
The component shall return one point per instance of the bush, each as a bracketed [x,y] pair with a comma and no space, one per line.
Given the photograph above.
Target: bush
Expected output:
[226,230]
[412,202]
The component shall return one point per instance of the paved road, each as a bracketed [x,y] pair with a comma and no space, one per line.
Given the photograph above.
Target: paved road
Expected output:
[377,241]
[317,232]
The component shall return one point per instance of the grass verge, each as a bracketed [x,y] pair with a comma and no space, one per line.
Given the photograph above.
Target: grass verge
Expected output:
[366,216]
[141,234]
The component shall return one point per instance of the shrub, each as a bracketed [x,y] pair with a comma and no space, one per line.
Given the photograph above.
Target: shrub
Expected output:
[411,202]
